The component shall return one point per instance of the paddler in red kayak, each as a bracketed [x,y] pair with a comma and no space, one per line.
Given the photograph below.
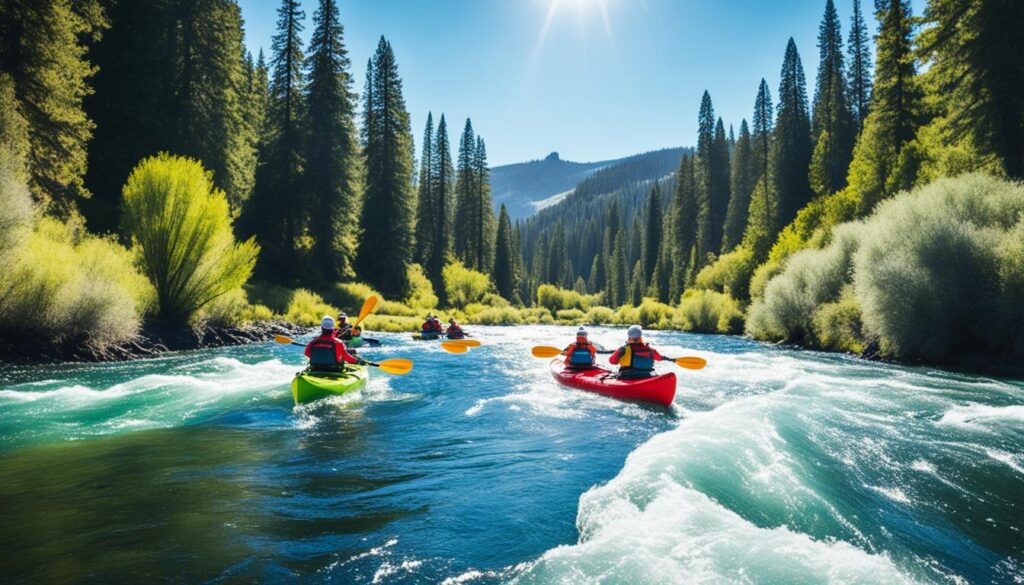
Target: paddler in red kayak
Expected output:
[326,352]
[636,358]
[454,331]
[581,354]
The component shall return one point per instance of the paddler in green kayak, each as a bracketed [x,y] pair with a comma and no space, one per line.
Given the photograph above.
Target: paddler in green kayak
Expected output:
[636,358]
[326,352]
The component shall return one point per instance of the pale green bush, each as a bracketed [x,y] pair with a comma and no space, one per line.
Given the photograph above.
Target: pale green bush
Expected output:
[655,315]
[600,316]
[707,311]
[570,316]
[553,298]
[537,315]
[391,323]
[626,315]
[421,292]
[496,316]
[180,227]
[229,310]
[837,326]
[274,296]
[464,285]
[731,273]
[62,284]
[308,308]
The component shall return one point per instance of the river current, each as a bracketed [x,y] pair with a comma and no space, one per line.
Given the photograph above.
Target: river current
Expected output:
[773,466]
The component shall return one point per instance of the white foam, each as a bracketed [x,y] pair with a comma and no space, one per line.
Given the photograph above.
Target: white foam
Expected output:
[982,415]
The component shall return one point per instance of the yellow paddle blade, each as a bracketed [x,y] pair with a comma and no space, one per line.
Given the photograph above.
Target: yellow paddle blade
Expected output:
[396,366]
[282,339]
[545,351]
[691,363]
[467,342]
[454,347]
[368,306]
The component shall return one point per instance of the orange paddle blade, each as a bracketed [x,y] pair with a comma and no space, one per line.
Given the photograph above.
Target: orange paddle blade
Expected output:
[467,342]
[396,366]
[454,347]
[691,363]
[368,306]
[282,339]
[545,351]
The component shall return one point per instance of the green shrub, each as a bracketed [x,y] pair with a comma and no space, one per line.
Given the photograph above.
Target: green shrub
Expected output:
[707,311]
[731,273]
[464,285]
[600,316]
[258,314]
[762,275]
[933,274]
[811,278]
[654,315]
[497,316]
[229,310]
[180,226]
[537,315]
[570,316]
[495,300]
[392,323]
[626,315]
[421,292]
[308,308]
[62,284]
[837,326]
[350,296]
[553,298]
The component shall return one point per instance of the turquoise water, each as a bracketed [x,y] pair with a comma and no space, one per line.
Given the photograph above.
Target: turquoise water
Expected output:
[773,466]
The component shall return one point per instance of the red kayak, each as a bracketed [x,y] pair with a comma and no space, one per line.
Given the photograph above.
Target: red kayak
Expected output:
[657,389]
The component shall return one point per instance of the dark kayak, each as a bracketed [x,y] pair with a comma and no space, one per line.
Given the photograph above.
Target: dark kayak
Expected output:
[655,389]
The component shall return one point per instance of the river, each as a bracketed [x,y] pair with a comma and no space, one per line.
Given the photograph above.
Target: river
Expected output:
[773,466]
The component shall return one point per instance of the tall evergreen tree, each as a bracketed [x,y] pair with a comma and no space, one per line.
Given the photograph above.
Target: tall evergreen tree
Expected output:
[333,165]
[505,273]
[882,162]
[742,185]
[791,154]
[466,200]
[426,215]
[652,235]
[859,83]
[684,221]
[977,55]
[43,47]
[832,124]
[275,212]
[386,248]
[443,181]
[705,178]
[617,292]
[761,141]
[720,196]
[485,238]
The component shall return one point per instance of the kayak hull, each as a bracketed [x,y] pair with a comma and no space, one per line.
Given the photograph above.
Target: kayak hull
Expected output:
[309,386]
[354,343]
[660,390]
[427,336]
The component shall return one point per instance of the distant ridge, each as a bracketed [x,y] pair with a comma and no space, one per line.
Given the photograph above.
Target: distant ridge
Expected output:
[526,188]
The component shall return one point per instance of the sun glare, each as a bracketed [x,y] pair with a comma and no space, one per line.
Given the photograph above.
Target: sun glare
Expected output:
[583,9]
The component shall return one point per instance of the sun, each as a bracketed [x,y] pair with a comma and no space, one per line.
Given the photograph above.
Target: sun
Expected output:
[582,8]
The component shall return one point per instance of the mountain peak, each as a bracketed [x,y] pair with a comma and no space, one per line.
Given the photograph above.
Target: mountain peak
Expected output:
[552,157]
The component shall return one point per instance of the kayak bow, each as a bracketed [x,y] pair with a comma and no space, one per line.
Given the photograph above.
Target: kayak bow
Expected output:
[659,390]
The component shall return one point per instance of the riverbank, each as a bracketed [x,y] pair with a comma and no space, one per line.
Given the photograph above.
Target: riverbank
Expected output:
[149,342]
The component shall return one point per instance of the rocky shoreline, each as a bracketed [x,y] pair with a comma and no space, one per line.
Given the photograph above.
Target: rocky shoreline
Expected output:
[152,341]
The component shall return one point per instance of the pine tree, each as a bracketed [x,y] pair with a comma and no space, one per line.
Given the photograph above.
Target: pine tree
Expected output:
[208,116]
[832,124]
[976,50]
[612,227]
[425,212]
[333,169]
[761,141]
[859,83]
[43,47]
[597,276]
[466,199]
[792,147]
[617,292]
[442,178]
[882,162]
[721,195]
[706,173]
[556,256]
[762,222]
[274,213]
[505,277]
[485,238]
[652,235]
[684,219]
[386,248]
[742,185]
[637,284]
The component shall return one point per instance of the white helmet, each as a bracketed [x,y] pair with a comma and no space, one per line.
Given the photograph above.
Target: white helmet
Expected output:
[343,316]
[635,332]
[581,332]
[327,322]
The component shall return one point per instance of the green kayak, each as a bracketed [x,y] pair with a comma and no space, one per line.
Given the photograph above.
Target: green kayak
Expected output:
[309,386]
[354,343]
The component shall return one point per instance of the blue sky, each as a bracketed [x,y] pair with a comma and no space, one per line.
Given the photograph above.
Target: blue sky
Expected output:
[591,79]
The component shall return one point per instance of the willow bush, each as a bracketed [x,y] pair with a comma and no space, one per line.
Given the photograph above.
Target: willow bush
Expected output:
[180,227]
[464,286]
[933,272]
